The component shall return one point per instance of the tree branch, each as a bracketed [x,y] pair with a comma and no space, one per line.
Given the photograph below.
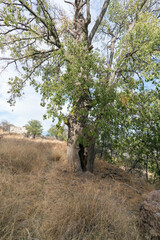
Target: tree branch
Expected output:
[45,11]
[81,5]
[49,28]
[131,26]
[88,20]
[99,20]
[113,42]
[69,2]
[31,56]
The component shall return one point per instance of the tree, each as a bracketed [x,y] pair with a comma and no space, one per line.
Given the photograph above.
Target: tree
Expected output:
[58,132]
[134,132]
[57,56]
[142,142]
[5,126]
[34,128]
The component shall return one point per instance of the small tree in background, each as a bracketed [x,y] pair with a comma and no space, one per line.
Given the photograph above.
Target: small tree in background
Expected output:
[34,127]
[5,126]
[58,133]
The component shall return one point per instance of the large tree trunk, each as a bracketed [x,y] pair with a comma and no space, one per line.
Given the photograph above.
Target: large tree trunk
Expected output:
[79,157]
[73,148]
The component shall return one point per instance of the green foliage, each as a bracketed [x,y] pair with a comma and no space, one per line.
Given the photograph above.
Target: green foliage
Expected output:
[58,132]
[139,50]
[135,132]
[105,89]
[34,127]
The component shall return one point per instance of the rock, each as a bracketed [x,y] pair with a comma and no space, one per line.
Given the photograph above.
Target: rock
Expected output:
[150,215]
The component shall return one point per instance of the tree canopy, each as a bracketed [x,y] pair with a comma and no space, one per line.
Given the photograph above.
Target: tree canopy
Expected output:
[95,79]
[34,127]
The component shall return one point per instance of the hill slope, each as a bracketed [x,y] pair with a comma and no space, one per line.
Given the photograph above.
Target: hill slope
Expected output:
[42,199]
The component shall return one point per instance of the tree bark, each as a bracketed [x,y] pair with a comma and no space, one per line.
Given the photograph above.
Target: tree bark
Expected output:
[74,129]
[90,156]
[79,156]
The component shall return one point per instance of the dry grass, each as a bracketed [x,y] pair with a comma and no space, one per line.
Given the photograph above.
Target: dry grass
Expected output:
[41,199]
[24,156]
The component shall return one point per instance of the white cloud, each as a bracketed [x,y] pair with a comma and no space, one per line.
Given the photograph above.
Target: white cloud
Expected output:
[25,109]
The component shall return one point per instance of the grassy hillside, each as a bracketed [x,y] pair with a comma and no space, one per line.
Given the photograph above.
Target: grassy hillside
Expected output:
[42,199]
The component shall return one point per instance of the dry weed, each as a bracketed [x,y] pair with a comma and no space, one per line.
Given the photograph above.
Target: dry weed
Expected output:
[59,206]
[22,156]
[40,199]
[86,212]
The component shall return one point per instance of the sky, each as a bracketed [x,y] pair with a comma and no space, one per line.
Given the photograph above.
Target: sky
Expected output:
[28,107]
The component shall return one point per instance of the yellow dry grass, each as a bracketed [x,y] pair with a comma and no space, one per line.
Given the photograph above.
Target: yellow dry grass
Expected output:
[41,199]
[27,156]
